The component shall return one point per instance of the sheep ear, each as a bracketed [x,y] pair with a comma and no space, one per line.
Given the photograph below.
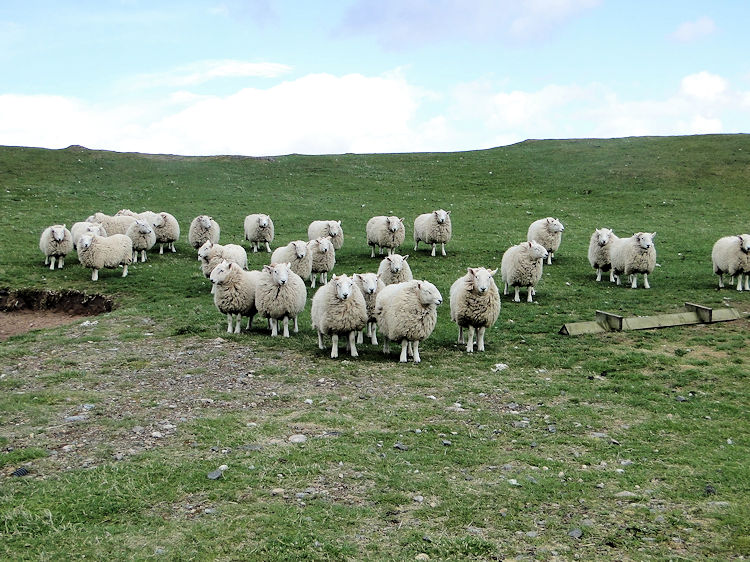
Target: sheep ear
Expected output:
[402,219]
[268,268]
[653,235]
[339,222]
[406,257]
[492,272]
[448,212]
[530,244]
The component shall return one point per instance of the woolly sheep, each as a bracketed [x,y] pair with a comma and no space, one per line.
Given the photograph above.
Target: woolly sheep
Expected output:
[259,229]
[97,252]
[521,266]
[143,237]
[167,231]
[323,256]
[147,216]
[599,246]
[338,308]
[203,228]
[117,224]
[280,294]
[297,255]
[321,229]
[731,256]
[370,285]
[630,256]
[235,293]
[475,304]
[395,269]
[548,233]
[83,227]
[56,242]
[407,312]
[433,228]
[385,232]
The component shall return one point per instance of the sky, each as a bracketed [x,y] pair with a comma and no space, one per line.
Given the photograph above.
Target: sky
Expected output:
[272,77]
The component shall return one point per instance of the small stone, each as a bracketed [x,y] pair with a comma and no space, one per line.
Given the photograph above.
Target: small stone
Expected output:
[626,494]
[298,438]
[209,510]
[626,462]
[575,533]
[600,485]
[422,556]
[513,482]
[499,367]
[157,434]
[277,492]
[419,499]
[215,474]
[446,443]
[75,418]
[551,429]
[400,447]
[308,401]
[599,435]
[89,406]
[587,522]
[681,399]
[532,534]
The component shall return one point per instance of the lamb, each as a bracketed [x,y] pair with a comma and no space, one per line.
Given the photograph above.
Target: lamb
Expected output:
[56,242]
[339,308]
[321,229]
[433,228]
[235,293]
[395,269]
[599,246]
[80,228]
[407,312]
[385,232]
[280,294]
[259,229]
[117,224]
[521,266]
[475,304]
[167,231]
[323,257]
[143,237]
[203,228]
[731,256]
[97,252]
[548,233]
[370,285]
[634,255]
[297,255]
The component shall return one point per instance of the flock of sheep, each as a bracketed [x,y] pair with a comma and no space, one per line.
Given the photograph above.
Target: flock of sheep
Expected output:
[402,308]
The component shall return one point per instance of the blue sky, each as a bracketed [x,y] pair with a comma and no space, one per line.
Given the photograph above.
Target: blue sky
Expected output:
[261,77]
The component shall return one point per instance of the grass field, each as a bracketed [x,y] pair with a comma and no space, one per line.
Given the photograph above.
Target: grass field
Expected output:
[630,445]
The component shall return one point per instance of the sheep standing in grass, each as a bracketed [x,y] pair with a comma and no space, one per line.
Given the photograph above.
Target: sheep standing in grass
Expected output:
[634,255]
[521,266]
[259,230]
[323,256]
[80,228]
[548,233]
[235,293]
[433,228]
[280,295]
[321,229]
[731,256]
[56,242]
[407,312]
[395,269]
[475,304]
[370,285]
[210,255]
[203,228]
[297,255]
[385,232]
[143,237]
[147,216]
[117,224]
[97,252]
[167,231]
[599,246]
[338,308]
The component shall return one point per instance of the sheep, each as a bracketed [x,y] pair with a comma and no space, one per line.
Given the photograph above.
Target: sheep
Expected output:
[56,242]
[407,312]
[521,266]
[80,228]
[235,293]
[599,246]
[117,224]
[475,304]
[97,252]
[259,229]
[321,229]
[295,253]
[630,256]
[323,259]
[370,285]
[548,233]
[338,308]
[203,228]
[210,255]
[143,237]
[433,228]
[395,269]
[147,216]
[167,231]
[280,294]
[731,256]
[385,232]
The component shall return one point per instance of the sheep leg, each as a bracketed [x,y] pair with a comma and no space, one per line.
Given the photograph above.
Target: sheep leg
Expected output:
[135,256]
[549,258]
[286,326]
[361,334]
[721,280]
[268,248]
[95,275]
[433,249]
[353,343]
[229,323]
[460,334]
[213,288]
[238,324]
[611,276]
[598,273]
[320,341]
[480,338]
[161,249]
[415,351]
[739,281]
[324,276]
[372,253]
[171,247]
[296,326]
[334,346]
[255,247]
[60,262]
[274,327]
[505,289]
[517,297]
[404,345]
[470,340]
[442,247]
[386,346]
[143,255]
[530,294]
[416,243]
[645,281]
[633,281]
[125,270]
[374,339]
[52,262]
[46,260]
[747,281]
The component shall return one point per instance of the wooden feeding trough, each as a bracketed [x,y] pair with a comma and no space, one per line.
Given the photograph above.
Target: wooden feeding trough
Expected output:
[608,322]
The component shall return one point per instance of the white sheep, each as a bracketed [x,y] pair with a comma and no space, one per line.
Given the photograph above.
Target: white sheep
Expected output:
[323,256]
[321,229]
[521,266]
[548,233]
[56,242]
[395,269]
[297,255]
[599,246]
[98,252]
[147,216]
[407,312]
[385,232]
[280,295]
[634,255]
[143,237]
[167,230]
[203,228]
[475,304]
[370,285]
[338,308]
[433,228]
[80,228]
[210,255]
[117,224]
[259,229]
[731,256]
[235,293]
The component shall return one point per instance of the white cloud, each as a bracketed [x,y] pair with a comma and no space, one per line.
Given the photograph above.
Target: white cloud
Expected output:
[693,30]
[205,71]
[704,86]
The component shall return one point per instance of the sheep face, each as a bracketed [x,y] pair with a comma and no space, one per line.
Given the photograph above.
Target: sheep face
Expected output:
[645,239]
[744,242]
[279,272]
[555,225]
[204,221]
[143,227]
[263,221]
[58,233]
[325,244]
[159,220]
[396,262]
[369,282]
[220,272]
[84,242]
[395,223]
[334,228]
[342,284]
[603,236]
[300,249]
[441,216]
[537,251]
[205,250]
[428,294]
[481,278]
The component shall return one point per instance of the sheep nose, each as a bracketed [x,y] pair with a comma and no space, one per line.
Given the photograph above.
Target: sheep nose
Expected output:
[283,281]
[482,289]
